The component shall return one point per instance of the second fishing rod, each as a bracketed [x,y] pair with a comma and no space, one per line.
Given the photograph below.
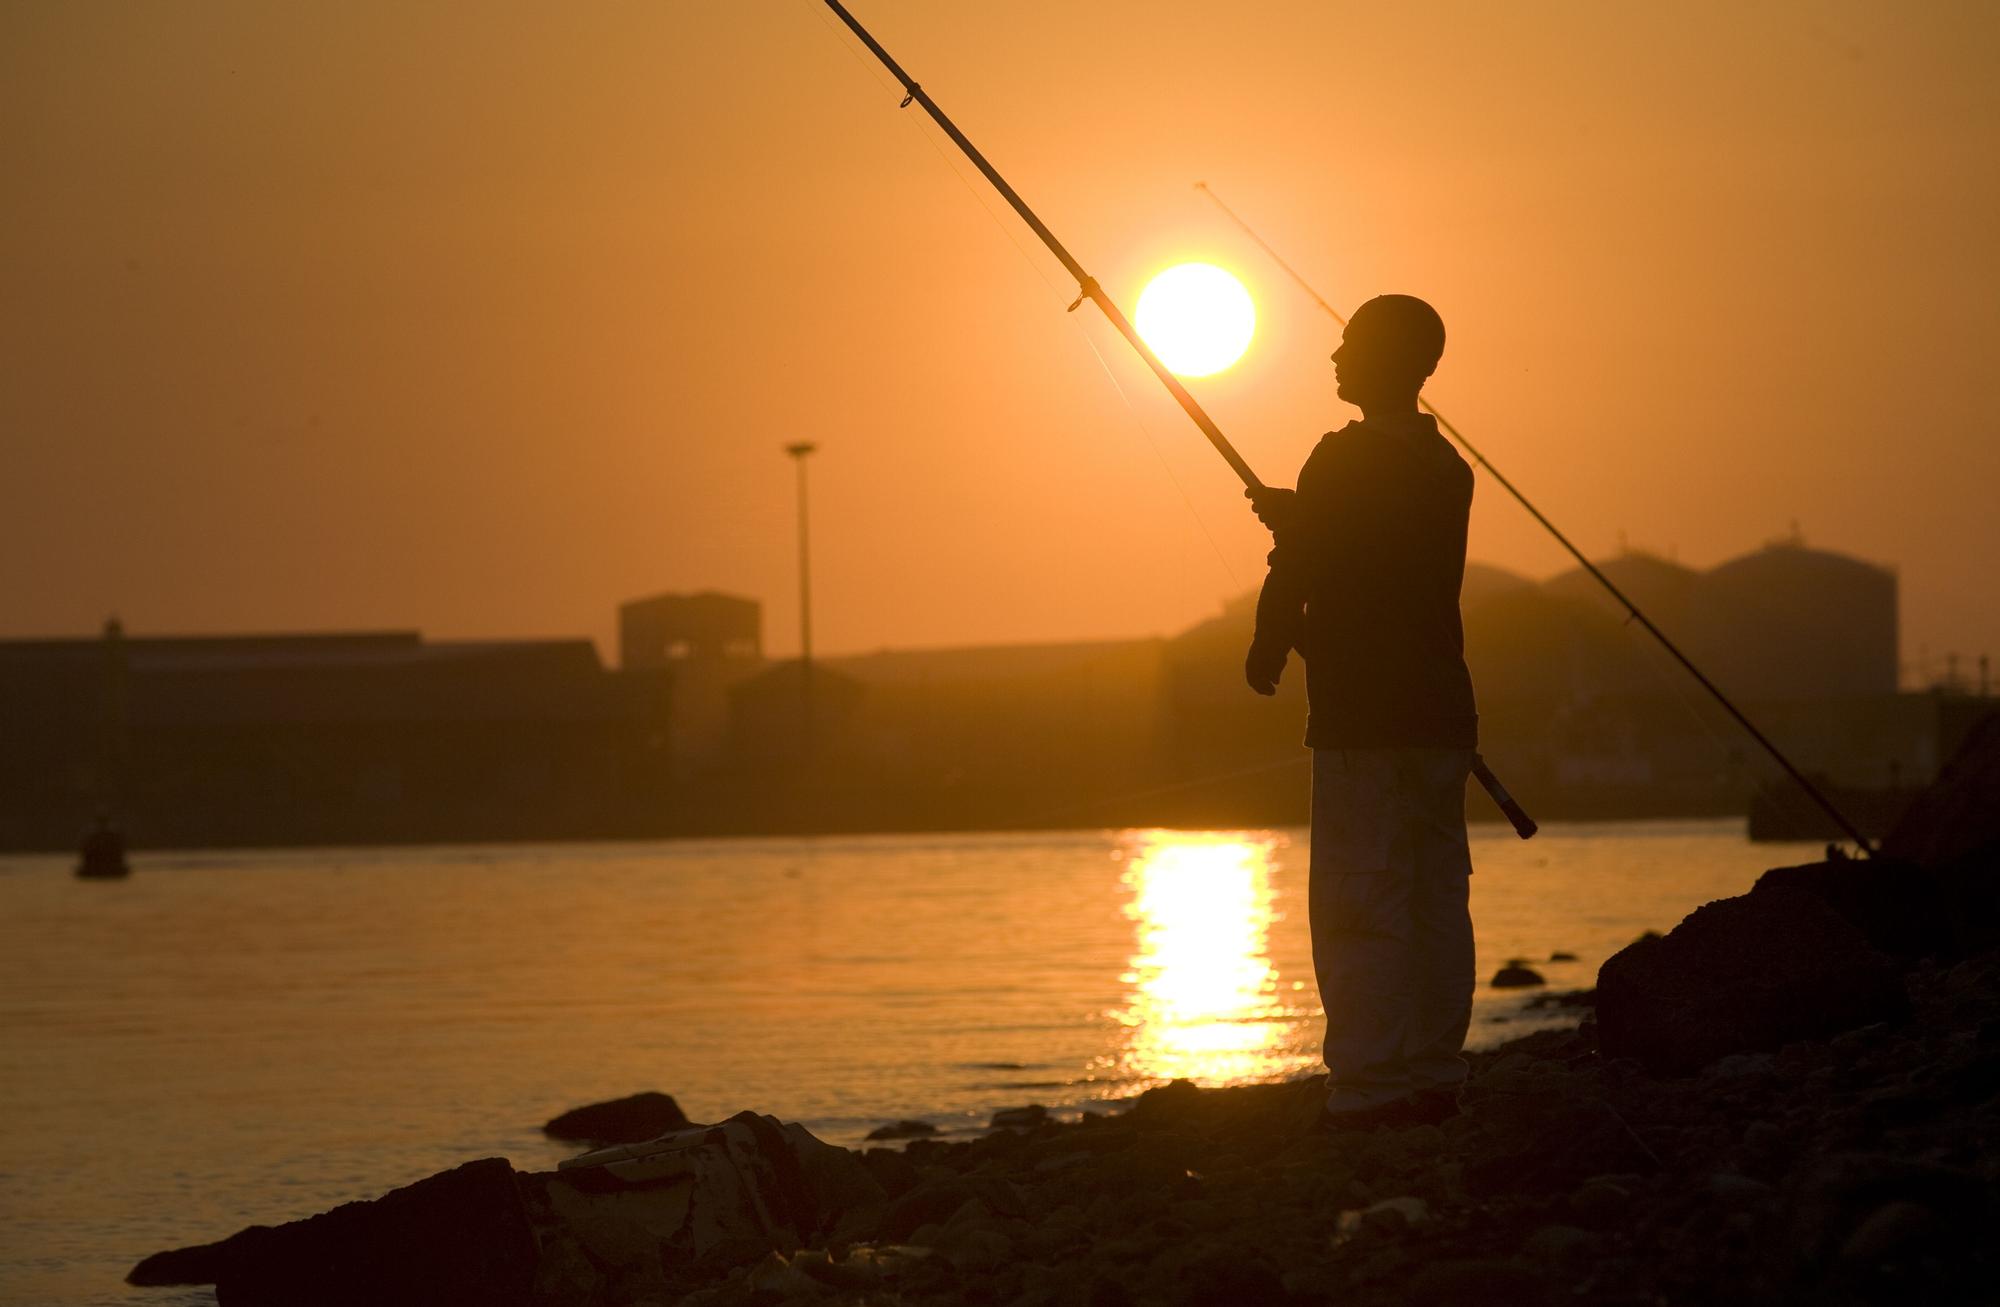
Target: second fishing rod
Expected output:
[1088,289]
[1632,610]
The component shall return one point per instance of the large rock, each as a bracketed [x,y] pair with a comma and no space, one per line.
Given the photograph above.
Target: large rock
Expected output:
[1958,816]
[1742,975]
[622,1225]
[1901,908]
[694,1201]
[460,1236]
[628,1120]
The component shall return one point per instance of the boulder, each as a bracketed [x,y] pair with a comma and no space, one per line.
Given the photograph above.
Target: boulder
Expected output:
[460,1236]
[1175,1101]
[1033,1114]
[200,1264]
[896,1173]
[1517,975]
[902,1130]
[1565,998]
[704,1197]
[629,1120]
[1849,1205]
[1902,909]
[1747,974]
[1958,815]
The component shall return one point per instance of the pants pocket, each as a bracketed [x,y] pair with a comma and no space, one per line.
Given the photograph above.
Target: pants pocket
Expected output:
[1356,812]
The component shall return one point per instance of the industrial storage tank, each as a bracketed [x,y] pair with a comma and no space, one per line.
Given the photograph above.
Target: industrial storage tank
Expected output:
[1484,581]
[1662,588]
[1790,622]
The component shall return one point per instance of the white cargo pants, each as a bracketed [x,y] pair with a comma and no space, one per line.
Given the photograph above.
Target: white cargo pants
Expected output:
[1391,926]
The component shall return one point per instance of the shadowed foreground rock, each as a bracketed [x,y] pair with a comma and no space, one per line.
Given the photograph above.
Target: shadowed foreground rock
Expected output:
[1956,820]
[1743,974]
[460,1236]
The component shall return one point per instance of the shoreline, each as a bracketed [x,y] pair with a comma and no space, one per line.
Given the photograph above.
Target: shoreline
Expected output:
[1818,1172]
[1791,1097]
[1837,1169]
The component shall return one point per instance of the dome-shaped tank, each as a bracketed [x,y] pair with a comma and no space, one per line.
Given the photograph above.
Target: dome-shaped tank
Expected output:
[1662,588]
[1483,581]
[1529,646]
[1789,622]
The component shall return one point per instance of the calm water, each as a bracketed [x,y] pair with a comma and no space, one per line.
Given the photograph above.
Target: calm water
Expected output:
[252,1037]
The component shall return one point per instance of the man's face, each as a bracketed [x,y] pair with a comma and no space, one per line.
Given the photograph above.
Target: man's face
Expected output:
[1371,363]
[1357,364]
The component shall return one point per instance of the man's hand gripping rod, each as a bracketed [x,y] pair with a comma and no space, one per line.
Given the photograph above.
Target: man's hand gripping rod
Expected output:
[1088,289]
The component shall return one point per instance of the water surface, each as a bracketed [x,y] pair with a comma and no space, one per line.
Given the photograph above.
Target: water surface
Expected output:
[255,1036]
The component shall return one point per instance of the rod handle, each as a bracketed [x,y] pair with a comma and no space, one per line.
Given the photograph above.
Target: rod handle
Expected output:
[1523,824]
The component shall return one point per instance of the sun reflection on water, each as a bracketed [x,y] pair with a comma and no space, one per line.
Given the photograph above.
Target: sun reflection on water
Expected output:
[1203,997]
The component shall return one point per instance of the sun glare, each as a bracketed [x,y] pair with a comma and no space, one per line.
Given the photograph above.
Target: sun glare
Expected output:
[1203,1002]
[1197,318]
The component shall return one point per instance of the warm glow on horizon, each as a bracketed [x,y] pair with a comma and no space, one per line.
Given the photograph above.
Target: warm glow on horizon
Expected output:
[1204,992]
[1197,318]
[482,320]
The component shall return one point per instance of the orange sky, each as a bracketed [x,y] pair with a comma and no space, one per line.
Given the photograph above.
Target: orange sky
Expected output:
[483,318]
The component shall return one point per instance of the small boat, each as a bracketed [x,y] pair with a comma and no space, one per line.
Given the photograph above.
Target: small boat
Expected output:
[102,856]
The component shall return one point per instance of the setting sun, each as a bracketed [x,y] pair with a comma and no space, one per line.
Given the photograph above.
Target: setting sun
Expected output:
[1197,318]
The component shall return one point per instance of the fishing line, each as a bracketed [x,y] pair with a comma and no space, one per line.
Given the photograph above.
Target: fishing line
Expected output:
[1632,610]
[1732,756]
[1146,431]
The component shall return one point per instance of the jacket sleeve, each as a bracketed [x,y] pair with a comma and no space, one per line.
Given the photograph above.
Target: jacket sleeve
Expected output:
[1281,604]
[1309,554]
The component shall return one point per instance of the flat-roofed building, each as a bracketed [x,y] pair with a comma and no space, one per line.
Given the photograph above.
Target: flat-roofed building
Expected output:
[353,737]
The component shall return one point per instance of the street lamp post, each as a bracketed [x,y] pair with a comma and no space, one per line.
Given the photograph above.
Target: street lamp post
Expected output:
[798,453]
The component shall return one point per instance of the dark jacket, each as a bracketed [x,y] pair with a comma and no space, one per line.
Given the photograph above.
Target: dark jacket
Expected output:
[1364,584]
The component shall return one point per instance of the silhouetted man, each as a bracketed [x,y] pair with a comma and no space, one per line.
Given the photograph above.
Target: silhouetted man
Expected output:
[1368,556]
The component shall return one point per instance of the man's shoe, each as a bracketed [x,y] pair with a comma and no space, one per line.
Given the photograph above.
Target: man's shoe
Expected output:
[1434,1106]
[1396,1113]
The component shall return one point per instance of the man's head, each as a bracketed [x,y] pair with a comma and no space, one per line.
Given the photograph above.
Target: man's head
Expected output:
[1392,343]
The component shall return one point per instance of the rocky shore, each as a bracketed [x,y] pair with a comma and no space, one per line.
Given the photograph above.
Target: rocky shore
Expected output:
[1793,1097]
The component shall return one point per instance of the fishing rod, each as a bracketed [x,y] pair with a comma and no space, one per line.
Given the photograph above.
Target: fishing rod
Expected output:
[1813,791]
[1088,289]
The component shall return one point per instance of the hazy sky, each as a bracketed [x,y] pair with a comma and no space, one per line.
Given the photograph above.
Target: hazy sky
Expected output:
[483,317]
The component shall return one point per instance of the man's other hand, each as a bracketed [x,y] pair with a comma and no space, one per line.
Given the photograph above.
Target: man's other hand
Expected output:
[1273,504]
[1263,668]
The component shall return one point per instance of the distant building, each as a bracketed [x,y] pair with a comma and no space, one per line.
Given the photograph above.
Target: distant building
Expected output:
[1589,707]
[709,643]
[1007,735]
[1483,581]
[1789,622]
[671,629]
[1663,588]
[350,738]
[384,736]
[769,712]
